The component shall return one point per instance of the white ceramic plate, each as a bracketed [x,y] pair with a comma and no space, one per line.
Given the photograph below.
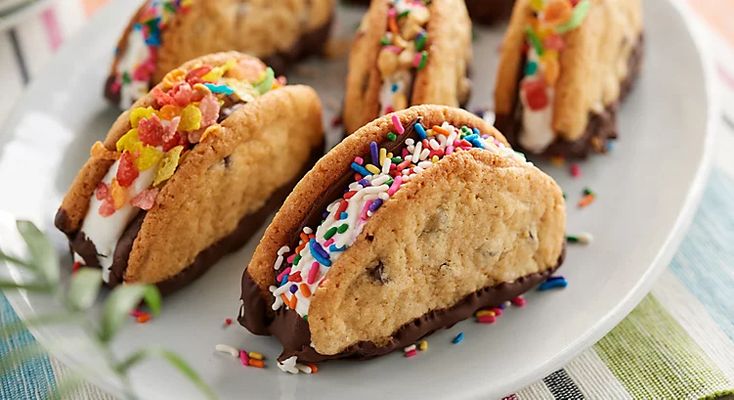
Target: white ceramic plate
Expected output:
[647,191]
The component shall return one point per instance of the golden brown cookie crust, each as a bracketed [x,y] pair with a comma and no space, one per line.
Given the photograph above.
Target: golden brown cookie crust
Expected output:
[204,201]
[442,81]
[592,66]
[331,167]
[267,143]
[500,220]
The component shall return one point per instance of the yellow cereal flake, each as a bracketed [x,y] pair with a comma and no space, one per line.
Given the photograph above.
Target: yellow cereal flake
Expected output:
[149,157]
[243,90]
[130,142]
[172,78]
[139,113]
[190,118]
[168,165]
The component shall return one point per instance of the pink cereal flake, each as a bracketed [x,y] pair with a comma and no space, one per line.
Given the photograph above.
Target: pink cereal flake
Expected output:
[145,199]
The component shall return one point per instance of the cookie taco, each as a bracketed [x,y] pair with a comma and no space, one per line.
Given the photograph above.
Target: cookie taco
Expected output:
[565,66]
[409,225]
[163,34]
[408,52]
[190,171]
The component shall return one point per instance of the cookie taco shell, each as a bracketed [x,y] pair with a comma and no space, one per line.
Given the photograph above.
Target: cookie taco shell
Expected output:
[206,187]
[165,33]
[471,229]
[425,51]
[565,101]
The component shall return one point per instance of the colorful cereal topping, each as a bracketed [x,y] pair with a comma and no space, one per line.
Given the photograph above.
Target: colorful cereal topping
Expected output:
[404,50]
[550,20]
[133,72]
[184,109]
[377,178]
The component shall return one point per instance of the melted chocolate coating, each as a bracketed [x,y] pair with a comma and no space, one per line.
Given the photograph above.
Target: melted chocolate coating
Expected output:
[601,128]
[294,334]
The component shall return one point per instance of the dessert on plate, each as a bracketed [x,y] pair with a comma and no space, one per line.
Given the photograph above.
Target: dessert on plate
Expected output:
[565,66]
[165,33]
[191,171]
[409,225]
[481,11]
[407,52]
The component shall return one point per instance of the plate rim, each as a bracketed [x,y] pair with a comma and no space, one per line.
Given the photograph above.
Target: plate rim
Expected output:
[21,304]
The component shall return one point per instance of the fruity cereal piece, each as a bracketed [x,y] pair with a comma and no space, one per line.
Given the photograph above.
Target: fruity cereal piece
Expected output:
[126,170]
[150,131]
[168,165]
[139,113]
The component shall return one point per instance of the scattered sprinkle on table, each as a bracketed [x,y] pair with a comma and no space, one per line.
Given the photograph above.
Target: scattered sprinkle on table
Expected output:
[227,322]
[140,316]
[227,349]
[581,238]
[458,338]
[586,200]
[410,351]
[554,282]
[519,301]
[575,170]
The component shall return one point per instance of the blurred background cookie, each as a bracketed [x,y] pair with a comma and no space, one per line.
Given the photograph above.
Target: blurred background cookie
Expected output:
[482,11]
[407,53]
[165,33]
[565,66]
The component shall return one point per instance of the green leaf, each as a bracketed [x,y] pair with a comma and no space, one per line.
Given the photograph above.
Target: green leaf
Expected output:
[122,301]
[13,328]
[84,288]
[174,360]
[16,261]
[18,356]
[43,255]
[31,287]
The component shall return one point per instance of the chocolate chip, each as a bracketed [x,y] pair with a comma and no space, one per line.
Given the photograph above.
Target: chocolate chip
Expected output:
[227,161]
[378,273]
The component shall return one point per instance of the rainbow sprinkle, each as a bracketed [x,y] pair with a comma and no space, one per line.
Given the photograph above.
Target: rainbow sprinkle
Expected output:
[458,338]
[403,51]
[581,238]
[553,282]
